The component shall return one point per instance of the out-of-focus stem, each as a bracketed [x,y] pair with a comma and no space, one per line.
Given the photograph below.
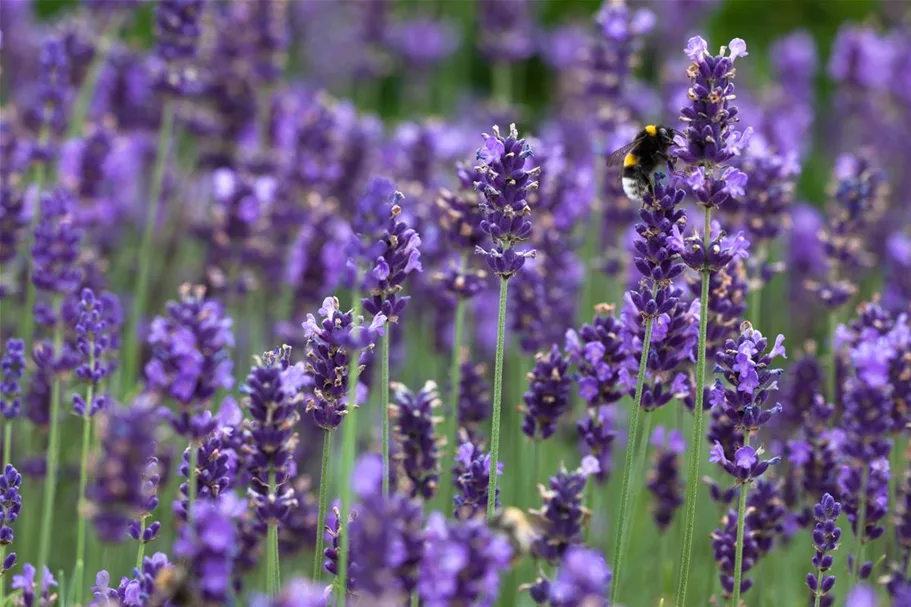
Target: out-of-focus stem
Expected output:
[628,463]
[140,553]
[741,526]
[140,293]
[83,481]
[502,82]
[497,401]
[384,391]
[349,451]
[832,358]
[323,501]
[862,520]
[90,83]
[451,422]
[689,521]
[28,329]
[53,449]
[273,574]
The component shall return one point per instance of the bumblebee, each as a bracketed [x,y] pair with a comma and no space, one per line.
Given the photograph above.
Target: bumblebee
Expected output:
[640,158]
[518,528]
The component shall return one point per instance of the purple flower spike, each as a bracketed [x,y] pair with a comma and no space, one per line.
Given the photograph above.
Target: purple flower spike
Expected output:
[13,366]
[710,118]
[582,579]
[506,29]
[177,29]
[118,492]
[273,392]
[474,398]
[724,544]
[208,546]
[462,563]
[191,357]
[825,540]
[419,456]
[55,251]
[747,464]
[26,583]
[505,185]
[597,434]
[597,351]
[562,518]
[330,343]
[399,256]
[471,475]
[10,507]
[548,396]
[664,479]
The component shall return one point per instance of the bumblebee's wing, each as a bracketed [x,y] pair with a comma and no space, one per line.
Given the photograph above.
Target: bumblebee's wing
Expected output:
[617,156]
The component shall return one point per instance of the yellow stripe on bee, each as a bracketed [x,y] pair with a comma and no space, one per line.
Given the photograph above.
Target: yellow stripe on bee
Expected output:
[630,160]
[651,130]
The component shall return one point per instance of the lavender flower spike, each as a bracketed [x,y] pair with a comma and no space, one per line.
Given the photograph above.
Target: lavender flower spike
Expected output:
[10,507]
[471,477]
[548,394]
[582,579]
[825,540]
[13,365]
[26,583]
[418,456]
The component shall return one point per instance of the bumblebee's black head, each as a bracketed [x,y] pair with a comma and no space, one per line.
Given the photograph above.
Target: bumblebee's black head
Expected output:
[664,134]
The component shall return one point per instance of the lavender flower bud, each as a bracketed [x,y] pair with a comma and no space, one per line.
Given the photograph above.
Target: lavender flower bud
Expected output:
[825,540]
[724,544]
[13,365]
[55,251]
[191,357]
[597,351]
[207,545]
[10,507]
[418,456]
[548,396]
[399,255]
[26,583]
[562,517]
[664,479]
[118,491]
[273,391]
[597,434]
[582,579]
[505,185]
[471,475]
[329,345]
[462,563]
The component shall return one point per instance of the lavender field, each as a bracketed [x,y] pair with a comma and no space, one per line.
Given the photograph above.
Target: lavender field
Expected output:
[426,303]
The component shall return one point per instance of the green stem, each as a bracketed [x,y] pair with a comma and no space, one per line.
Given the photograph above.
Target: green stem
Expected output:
[692,486]
[818,594]
[83,481]
[131,350]
[592,237]
[862,521]
[349,451]
[451,421]
[53,450]
[502,82]
[628,463]
[140,554]
[384,390]
[323,501]
[741,526]
[833,358]
[192,478]
[28,329]
[7,444]
[497,402]
[272,559]
[90,83]
[641,454]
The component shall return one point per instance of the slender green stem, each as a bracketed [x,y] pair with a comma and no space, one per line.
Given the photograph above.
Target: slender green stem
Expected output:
[692,480]
[53,450]
[628,463]
[83,481]
[141,289]
[497,401]
[862,521]
[192,478]
[90,83]
[349,451]
[384,390]
[141,552]
[7,444]
[833,358]
[502,82]
[323,501]
[818,595]
[592,237]
[451,421]
[273,575]
[741,526]
[31,294]
[638,468]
